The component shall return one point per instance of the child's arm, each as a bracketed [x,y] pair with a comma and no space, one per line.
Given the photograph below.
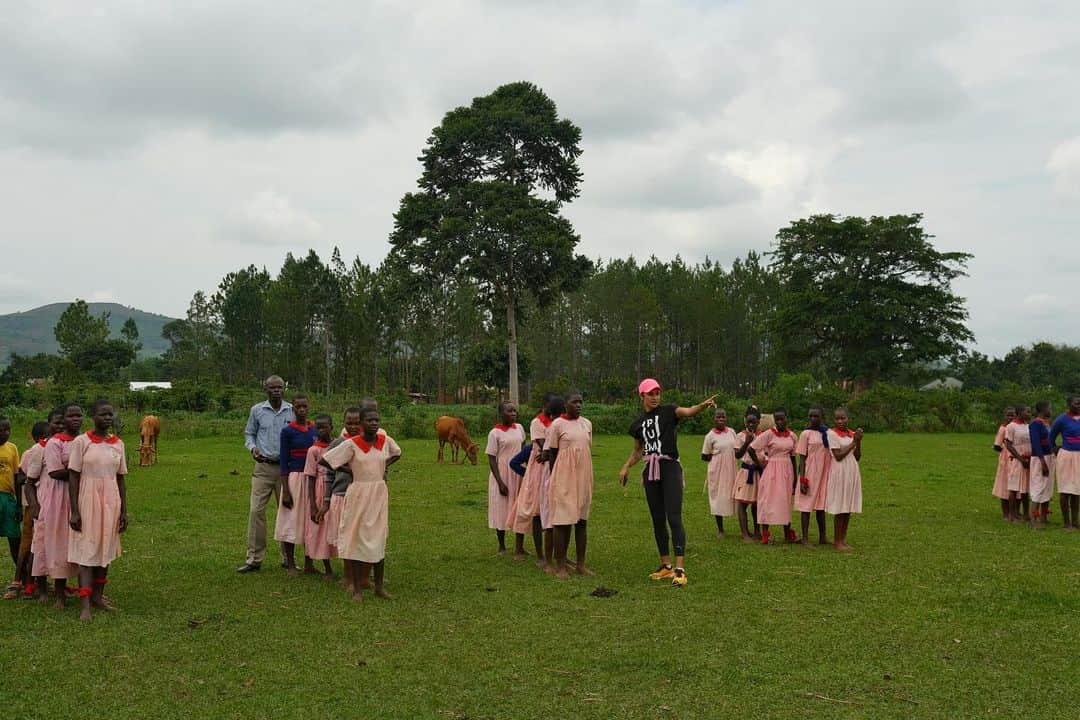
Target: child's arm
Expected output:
[857,444]
[706,456]
[519,461]
[635,457]
[283,467]
[309,486]
[745,446]
[32,504]
[493,466]
[74,518]
[121,485]
[20,480]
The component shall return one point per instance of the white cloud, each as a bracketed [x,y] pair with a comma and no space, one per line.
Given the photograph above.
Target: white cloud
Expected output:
[1064,166]
[269,218]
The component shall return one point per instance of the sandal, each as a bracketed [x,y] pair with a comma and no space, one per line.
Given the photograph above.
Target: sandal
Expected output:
[13,591]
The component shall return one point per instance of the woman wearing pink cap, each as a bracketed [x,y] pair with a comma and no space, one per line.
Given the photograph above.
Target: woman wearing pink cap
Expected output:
[655,440]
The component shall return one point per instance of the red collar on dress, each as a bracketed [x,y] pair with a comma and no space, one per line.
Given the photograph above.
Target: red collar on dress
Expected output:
[1018,421]
[844,433]
[42,442]
[505,428]
[720,432]
[95,438]
[545,420]
[63,437]
[777,433]
[302,428]
[321,444]
[364,445]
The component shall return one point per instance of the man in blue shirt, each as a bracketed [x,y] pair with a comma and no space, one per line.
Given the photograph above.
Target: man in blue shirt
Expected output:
[262,437]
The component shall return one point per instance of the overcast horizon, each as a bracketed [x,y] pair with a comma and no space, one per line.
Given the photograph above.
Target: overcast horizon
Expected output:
[166,147]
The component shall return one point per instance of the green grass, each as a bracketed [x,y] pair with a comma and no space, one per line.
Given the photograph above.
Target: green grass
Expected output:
[942,611]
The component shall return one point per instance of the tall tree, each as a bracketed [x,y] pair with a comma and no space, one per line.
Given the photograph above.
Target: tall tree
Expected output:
[478,215]
[77,329]
[867,295]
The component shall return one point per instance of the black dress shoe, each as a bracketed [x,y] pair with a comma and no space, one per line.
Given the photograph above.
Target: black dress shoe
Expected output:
[249,567]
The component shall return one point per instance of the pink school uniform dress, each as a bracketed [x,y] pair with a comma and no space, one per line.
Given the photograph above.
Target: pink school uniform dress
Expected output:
[504,442]
[98,460]
[527,506]
[316,545]
[818,459]
[746,487]
[844,494]
[571,486]
[545,486]
[291,523]
[1001,476]
[50,546]
[32,464]
[1041,486]
[775,483]
[720,475]
[1067,427]
[1017,434]
[364,525]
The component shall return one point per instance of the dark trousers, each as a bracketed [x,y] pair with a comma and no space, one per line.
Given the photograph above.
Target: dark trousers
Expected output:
[665,505]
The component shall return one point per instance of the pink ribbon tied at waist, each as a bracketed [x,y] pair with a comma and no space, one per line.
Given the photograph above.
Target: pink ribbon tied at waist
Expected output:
[652,466]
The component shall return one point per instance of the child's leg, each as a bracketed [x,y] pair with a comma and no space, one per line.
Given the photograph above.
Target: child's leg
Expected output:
[97,597]
[822,540]
[380,591]
[549,550]
[789,534]
[804,519]
[1026,501]
[538,541]
[562,543]
[60,589]
[719,524]
[309,564]
[1063,501]
[289,551]
[347,576]
[86,588]
[1074,504]
[744,528]
[581,541]
[765,534]
[13,548]
[328,570]
[1012,506]
[757,526]
[501,535]
[519,546]
[1004,509]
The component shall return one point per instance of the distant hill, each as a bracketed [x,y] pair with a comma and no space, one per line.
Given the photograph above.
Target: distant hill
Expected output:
[31,332]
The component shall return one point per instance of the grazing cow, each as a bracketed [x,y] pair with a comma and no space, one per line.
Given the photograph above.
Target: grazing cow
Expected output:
[452,430]
[149,429]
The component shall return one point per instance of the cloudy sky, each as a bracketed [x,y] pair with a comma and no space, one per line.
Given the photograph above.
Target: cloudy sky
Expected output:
[146,151]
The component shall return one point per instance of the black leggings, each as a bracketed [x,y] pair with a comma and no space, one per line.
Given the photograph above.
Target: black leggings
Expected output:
[665,506]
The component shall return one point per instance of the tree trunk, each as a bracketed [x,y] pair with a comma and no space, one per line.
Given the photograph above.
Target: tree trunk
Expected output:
[511,328]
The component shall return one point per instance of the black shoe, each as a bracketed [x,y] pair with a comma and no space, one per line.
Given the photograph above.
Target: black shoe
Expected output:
[249,567]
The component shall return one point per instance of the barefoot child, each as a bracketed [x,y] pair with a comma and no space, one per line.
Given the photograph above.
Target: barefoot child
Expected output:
[719,451]
[316,545]
[50,546]
[1041,468]
[337,484]
[9,500]
[555,409]
[746,485]
[569,450]
[504,442]
[655,434]
[814,461]
[293,512]
[364,516]
[845,481]
[1018,444]
[98,514]
[1067,427]
[777,476]
[1001,477]
[30,465]
[527,506]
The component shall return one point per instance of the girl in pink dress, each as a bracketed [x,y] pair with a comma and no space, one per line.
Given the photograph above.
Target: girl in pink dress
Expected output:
[50,546]
[316,545]
[337,484]
[527,508]
[1001,477]
[814,461]
[845,480]
[777,445]
[545,489]
[364,525]
[98,495]
[1067,462]
[293,513]
[1018,445]
[746,485]
[719,451]
[31,465]
[569,450]
[504,442]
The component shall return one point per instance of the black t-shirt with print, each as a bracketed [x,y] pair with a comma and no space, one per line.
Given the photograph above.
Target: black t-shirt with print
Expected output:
[656,431]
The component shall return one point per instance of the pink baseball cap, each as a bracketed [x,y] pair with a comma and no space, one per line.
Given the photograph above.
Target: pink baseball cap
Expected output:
[647,385]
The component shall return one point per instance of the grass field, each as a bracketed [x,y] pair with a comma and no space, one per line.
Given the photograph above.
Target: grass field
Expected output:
[942,611]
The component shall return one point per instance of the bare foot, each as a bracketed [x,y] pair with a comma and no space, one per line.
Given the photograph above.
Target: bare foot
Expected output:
[843,547]
[379,592]
[806,544]
[502,551]
[521,555]
[582,570]
[292,572]
[541,563]
[102,604]
[61,603]
[549,569]
[561,573]
[43,599]
[85,614]
[329,577]
[358,596]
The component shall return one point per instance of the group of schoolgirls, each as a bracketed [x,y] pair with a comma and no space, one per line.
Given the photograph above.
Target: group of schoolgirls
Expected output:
[543,487]
[1030,459]
[72,498]
[775,471]
[334,498]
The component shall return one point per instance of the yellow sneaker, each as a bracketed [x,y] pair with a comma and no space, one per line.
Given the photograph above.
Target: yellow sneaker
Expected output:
[678,578]
[662,573]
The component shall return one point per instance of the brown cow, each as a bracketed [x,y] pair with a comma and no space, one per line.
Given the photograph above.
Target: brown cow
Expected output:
[452,430]
[149,429]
